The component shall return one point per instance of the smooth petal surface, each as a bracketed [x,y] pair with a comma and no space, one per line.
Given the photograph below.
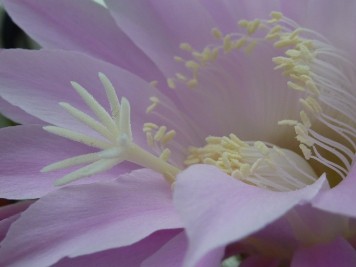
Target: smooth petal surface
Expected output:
[81,26]
[85,219]
[25,150]
[9,214]
[218,209]
[158,27]
[16,114]
[130,256]
[340,199]
[171,254]
[338,253]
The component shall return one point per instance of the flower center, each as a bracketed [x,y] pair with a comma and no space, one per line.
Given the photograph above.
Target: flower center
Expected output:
[326,130]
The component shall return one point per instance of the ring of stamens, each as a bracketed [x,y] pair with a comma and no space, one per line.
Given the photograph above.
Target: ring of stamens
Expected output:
[310,64]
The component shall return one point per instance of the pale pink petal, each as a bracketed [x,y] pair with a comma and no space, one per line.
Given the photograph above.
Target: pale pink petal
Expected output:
[171,254]
[36,81]
[338,253]
[158,27]
[9,214]
[130,256]
[25,150]
[16,114]
[340,199]
[85,219]
[218,209]
[81,26]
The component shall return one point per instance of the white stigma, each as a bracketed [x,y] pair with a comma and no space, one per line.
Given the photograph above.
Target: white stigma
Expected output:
[115,128]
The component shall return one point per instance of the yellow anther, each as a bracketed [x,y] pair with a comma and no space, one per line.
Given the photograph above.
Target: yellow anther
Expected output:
[293,53]
[166,153]
[306,151]
[151,107]
[168,137]
[301,69]
[295,86]
[171,84]
[154,99]
[160,133]
[213,140]
[178,59]
[227,44]
[261,147]
[154,102]
[216,33]
[250,47]
[313,88]
[305,119]
[314,104]
[186,47]
[149,126]
[240,43]
[272,36]
[243,23]
[288,122]
[253,26]
[192,83]
[154,84]
[301,130]
[275,29]
[276,15]
[149,139]
[214,54]
[192,65]
[286,42]
[181,77]
[245,169]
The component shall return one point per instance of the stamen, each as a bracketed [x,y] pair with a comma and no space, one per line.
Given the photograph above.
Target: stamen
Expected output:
[257,163]
[117,147]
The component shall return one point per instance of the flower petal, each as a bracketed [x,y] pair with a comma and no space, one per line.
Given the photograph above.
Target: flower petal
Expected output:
[340,199]
[81,26]
[9,214]
[16,114]
[25,150]
[218,209]
[131,256]
[158,27]
[171,254]
[85,219]
[338,253]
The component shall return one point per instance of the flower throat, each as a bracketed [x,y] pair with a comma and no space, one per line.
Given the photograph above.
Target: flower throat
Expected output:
[325,131]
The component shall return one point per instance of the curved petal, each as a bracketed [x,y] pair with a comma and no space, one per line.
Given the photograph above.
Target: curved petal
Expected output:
[131,256]
[16,114]
[9,214]
[81,26]
[85,219]
[158,27]
[218,209]
[36,81]
[340,199]
[25,150]
[338,253]
[171,254]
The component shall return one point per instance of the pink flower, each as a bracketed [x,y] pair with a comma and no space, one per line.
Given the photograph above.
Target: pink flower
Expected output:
[176,118]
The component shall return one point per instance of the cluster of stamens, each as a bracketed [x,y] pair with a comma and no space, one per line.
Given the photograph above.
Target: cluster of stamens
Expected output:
[309,63]
[312,66]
